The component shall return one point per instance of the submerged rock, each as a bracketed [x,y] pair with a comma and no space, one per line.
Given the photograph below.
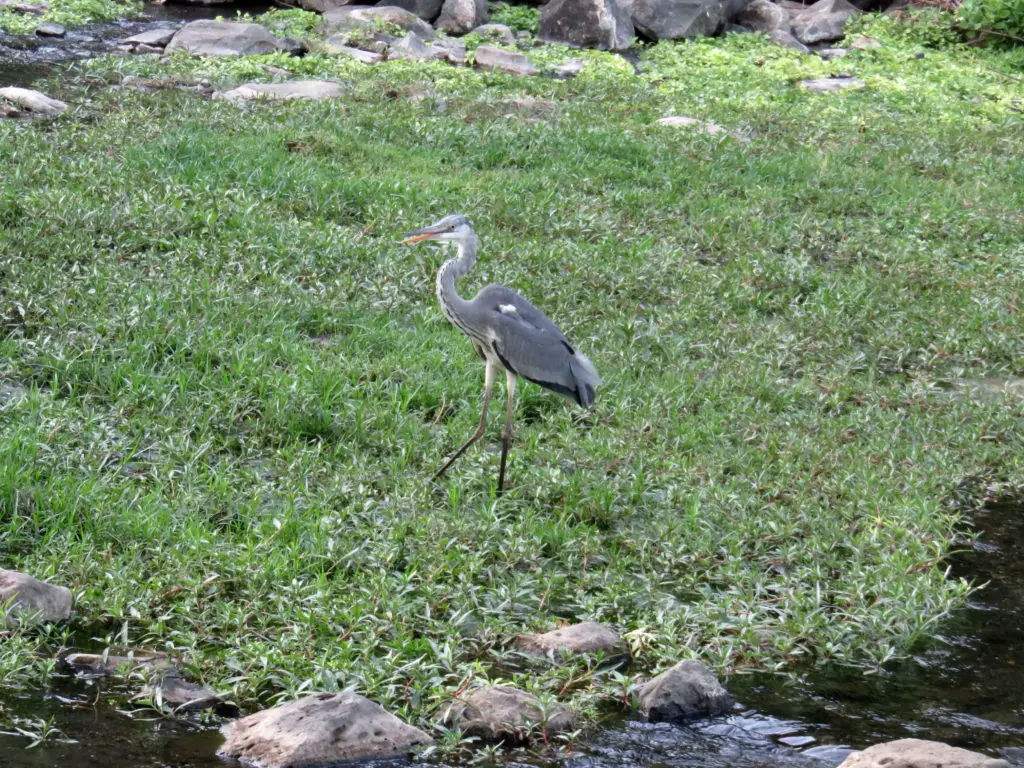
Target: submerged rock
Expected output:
[585,637]
[500,712]
[223,38]
[686,691]
[918,753]
[320,729]
[601,24]
[488,57]
[183,696]
[27,100]
[26,594]
[302,90]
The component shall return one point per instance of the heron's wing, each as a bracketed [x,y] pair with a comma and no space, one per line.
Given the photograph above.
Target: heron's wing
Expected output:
[530,345]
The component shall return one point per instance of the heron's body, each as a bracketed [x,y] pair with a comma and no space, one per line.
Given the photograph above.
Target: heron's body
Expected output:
[508,332]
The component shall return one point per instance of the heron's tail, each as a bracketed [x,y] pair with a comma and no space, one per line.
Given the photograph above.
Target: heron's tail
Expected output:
[586,377]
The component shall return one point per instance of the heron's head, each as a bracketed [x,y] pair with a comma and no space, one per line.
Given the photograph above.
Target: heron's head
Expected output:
[451,229]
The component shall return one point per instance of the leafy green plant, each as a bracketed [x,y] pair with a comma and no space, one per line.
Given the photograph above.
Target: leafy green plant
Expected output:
[518,18]
[1001,19]
[71,13]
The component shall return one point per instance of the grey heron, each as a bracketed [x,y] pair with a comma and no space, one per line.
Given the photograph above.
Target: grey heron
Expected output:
[509,334]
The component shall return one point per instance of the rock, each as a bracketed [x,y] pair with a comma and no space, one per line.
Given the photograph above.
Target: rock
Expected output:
[496,33]
[601,24]
[36,9]
[51,29]
[367,57]
[180,695]
[831,54]
[567,69]
[157,37]
[110,665]
[826,84]
[711,129]
[323,6]
[292,46]
[7,110]
[374,44]
[488,57]
[687,690]
[918,753]
[355,17]
[763,16]
[784,38]
[585,637]
[140,49]
[865,43]
[39,104]
[460,16]
[500,712]
[428,10]
[223,38]
[676,19]
[320,729]
[413,48]
[28,595]
[300,90]
[822,22]
[455,50]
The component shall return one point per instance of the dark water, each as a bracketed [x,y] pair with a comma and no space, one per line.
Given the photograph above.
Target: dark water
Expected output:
[967,690]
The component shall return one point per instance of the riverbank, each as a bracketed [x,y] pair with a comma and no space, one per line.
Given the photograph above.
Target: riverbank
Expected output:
[228,386]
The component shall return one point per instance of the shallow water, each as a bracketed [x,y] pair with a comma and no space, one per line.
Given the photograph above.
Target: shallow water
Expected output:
[967,690]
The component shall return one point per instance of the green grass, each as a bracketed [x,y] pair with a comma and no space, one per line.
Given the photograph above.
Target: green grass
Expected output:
[72,13]
[238,384]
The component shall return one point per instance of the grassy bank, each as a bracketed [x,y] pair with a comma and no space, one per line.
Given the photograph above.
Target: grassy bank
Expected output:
[228,386]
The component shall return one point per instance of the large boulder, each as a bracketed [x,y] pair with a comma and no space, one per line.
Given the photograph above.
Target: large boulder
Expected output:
[428,10]
[823,22]
[223,38]
[585,637]
[764,16]
[601,24]
[500,712]
[364,17]
[688,690]
[21,594]
[324,728]
[918,753]
[675,19]
[461,16]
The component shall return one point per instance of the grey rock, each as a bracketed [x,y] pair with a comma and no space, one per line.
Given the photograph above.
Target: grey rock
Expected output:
[488,57]
[112,665]
[413,48]
[27,100]
[292,46]
[323,6]
[822,22]
[784,38]
[320,729]
[500,712]
[676,19]
[455,50]
[687,690]
[367,57]
[460,16]
[763,16]
[585,637]
[601,24]
[865,43]
[376,43]
[8,110]
[496,33]
[567,69]
[223,38]
[302,90]
[51,29]
[157,37]
[356,17]
[428,10]
[827,84]
[918,753]
[711,129]
[141,49]
[831,54]
[180,694]
[28,595]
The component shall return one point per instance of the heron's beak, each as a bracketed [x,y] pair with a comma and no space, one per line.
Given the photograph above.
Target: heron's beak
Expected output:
[415,237]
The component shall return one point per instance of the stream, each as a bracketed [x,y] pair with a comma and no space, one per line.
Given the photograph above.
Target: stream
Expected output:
[967,689]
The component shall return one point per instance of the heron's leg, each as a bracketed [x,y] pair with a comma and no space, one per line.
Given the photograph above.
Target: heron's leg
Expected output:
[506,436]
[492,369]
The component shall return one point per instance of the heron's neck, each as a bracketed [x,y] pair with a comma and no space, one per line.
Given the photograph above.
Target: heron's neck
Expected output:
[455,268]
